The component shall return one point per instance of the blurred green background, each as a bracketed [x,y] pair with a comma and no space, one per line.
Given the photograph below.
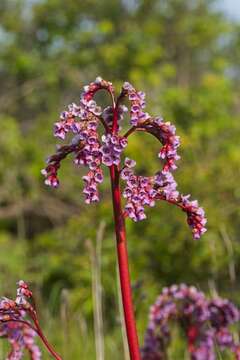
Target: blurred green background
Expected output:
[185,54]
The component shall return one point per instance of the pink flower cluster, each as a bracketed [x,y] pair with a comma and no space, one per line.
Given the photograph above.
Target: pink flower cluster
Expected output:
[138,192]
[112,148]
[141,191]
[195,216]
[137,99]
[163,181]
[54,162]
[21,338]
[90,155]
[86,109]
[90,189]
[15,327]
[166,132]
[204,322]
[83,122]
[93,151]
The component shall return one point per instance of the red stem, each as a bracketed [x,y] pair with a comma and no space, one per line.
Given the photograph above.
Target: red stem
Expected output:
[43,338]
[123,260]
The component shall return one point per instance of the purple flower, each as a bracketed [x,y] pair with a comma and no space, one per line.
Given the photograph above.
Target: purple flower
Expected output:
[112,148]
[139,192]
[129,163]
[137,99]
[204,322]
[93,151]
[15,327]
[196,216]
[90,189]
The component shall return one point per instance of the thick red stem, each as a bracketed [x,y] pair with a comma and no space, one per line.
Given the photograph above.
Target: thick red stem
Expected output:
[123,260]
[124,268]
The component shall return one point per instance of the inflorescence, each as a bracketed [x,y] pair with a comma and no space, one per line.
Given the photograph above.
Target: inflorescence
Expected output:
[92,150]
[204,322]
[15,326]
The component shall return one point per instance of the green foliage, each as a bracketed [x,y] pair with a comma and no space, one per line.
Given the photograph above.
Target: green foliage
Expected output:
[184,54]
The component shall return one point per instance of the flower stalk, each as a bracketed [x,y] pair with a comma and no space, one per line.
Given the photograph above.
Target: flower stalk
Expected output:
[43,338]
[122,255]
[124,275]
[94,151]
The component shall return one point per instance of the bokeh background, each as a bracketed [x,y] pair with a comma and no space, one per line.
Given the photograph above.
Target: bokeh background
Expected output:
[185,54]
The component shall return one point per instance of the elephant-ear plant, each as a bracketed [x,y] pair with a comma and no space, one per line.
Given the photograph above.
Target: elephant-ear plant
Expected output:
[93,151]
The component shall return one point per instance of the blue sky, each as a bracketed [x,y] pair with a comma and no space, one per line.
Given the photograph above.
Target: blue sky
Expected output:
[232,7]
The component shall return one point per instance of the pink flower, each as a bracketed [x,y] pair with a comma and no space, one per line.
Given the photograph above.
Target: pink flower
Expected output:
[204,322]
[94,151]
